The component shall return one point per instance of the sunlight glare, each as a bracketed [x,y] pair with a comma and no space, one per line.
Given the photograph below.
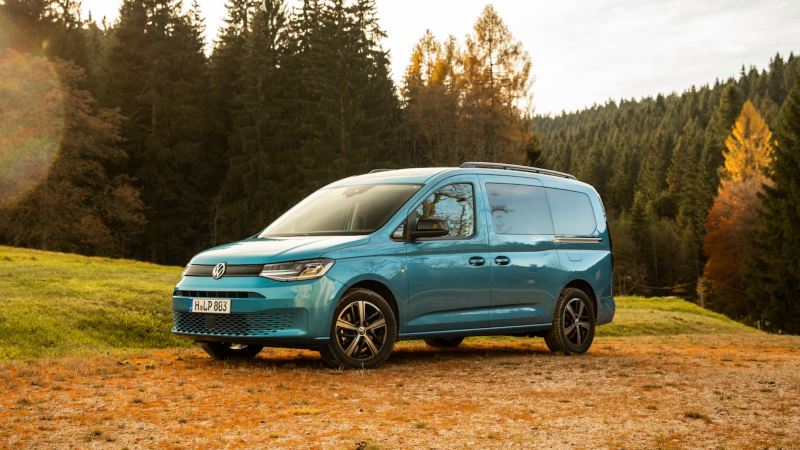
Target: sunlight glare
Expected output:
[31,122]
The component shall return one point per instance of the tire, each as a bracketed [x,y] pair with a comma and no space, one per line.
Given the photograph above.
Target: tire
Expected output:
[363,331]
[227,350]
[571,335]
[444,342]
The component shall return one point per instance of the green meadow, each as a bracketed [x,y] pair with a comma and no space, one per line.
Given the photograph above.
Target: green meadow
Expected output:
[56,304]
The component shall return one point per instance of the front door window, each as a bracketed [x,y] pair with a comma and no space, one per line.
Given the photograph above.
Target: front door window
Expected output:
[454,203]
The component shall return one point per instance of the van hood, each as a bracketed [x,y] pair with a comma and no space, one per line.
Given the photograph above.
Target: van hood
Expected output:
[276,249]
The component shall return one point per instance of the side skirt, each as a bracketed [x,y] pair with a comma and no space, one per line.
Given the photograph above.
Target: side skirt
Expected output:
[490,331]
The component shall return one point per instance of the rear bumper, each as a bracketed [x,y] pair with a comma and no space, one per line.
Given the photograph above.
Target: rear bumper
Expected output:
[291,314]
[606,307]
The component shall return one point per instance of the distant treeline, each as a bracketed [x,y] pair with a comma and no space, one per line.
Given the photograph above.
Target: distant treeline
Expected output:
[661,162]
[165,151]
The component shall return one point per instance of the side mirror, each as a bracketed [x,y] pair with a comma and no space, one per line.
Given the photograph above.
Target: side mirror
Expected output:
[429,228]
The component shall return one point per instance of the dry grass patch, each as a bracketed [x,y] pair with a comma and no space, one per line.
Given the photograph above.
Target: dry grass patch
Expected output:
[467,398]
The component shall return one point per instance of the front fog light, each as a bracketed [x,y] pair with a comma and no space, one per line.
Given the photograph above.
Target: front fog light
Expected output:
[297,270]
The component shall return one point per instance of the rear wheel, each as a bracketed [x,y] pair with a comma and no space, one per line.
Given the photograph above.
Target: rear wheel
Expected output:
[573,323]
[228,350]
[362,333]
[444,342]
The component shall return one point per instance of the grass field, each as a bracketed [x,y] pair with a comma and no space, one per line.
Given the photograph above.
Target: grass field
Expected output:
[57,304]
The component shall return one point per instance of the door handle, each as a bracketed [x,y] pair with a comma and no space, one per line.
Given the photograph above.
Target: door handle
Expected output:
[477,261]
[502,260]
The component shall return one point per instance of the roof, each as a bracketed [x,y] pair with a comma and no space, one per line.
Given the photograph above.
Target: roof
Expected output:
[422,175]
[418,175]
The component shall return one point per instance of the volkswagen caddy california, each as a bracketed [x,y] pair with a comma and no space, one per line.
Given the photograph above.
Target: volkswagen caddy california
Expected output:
[429,253]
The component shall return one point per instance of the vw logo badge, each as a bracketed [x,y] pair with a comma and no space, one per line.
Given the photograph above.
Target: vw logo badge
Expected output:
[218,271]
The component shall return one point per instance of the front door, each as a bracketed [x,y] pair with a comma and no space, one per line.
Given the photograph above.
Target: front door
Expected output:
[526,276]
[449,277]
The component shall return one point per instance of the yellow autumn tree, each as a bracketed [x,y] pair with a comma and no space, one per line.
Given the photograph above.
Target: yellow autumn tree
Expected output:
[748,149]
[471,102]
[733,217]
[497,81]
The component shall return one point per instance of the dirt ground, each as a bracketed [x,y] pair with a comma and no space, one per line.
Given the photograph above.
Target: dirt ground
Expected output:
[711,391]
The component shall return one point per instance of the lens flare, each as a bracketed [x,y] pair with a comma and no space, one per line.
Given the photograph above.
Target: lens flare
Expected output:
[31,122]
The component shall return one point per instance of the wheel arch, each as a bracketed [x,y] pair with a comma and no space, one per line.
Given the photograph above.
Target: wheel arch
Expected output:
[584,286]
[384,291]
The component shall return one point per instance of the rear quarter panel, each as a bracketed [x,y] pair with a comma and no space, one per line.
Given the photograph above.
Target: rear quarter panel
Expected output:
[589,262]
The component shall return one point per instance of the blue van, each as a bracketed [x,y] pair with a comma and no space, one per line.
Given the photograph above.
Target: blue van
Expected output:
[430,253]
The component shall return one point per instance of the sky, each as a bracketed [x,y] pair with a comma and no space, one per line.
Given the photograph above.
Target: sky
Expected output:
[587,52]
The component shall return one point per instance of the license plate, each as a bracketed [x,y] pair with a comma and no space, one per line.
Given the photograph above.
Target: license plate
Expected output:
[211,305]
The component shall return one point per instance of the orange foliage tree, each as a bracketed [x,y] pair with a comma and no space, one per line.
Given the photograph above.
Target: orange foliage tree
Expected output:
[733,218]
[63,185]
[31,122]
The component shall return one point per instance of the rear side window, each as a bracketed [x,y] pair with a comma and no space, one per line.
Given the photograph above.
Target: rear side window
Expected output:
[519,209]
[572,212]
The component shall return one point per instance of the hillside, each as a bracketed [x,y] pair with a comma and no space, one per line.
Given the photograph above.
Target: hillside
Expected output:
[60,304]
[656,162]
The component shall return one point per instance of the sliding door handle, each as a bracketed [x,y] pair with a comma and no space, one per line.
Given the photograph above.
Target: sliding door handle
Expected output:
[502,260]
[477,261]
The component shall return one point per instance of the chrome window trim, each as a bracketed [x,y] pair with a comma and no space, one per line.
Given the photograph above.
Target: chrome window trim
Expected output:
[578,240]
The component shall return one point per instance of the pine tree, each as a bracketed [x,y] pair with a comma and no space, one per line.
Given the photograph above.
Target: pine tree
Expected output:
[251,190]
[225,73]
[98,43]
[496,81]
[348,106]
[157,76]
[685,181]
[718,130]
[622,179]
[44,28]
[776,274]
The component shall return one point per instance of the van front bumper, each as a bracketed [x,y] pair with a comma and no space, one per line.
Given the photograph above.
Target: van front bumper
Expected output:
[262,311]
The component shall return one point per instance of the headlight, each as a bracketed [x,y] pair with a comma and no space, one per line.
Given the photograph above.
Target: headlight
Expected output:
[297,270]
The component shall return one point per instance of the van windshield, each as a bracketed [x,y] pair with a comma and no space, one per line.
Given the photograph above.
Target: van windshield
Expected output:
[359,209]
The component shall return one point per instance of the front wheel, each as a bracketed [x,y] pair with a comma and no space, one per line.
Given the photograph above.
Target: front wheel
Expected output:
[573,323]
[362,333]
[228,350]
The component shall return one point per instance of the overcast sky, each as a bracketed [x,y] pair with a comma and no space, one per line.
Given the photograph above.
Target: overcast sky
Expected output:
[586,52]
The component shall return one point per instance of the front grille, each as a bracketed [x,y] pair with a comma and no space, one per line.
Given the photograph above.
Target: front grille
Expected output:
[242,324]
[216,294]
[235,270]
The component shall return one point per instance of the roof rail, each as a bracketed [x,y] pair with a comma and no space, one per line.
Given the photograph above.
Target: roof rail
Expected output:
[501,166]
[379,170]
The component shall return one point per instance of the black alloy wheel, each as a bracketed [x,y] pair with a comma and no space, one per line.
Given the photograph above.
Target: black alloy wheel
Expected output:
[574,323]
[363,331]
